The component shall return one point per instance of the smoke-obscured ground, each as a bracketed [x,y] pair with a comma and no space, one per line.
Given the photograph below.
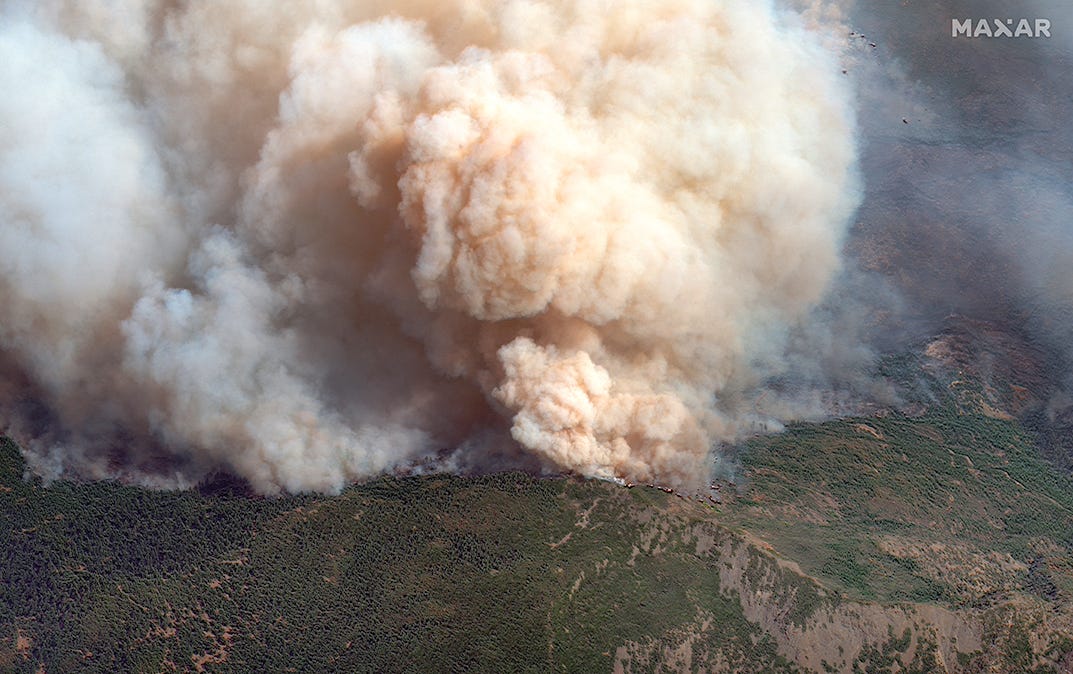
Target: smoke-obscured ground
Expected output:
[308,245]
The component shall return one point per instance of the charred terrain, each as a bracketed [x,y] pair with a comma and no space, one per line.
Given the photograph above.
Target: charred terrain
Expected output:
[930,537]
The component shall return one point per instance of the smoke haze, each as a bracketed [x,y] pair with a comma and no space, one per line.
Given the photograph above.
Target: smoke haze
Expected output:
[313,242]
[968,205]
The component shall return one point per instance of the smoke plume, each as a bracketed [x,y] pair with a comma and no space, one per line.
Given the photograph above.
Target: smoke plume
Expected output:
[308,243]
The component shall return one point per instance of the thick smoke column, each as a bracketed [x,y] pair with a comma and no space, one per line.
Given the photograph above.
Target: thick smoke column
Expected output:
[312,242]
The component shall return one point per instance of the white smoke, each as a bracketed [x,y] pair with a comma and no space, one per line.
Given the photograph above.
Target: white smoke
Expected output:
[312,242]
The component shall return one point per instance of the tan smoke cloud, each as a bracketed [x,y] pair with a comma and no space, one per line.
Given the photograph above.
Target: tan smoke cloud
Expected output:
[313,242]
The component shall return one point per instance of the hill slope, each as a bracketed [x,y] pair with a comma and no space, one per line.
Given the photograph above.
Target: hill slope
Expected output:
[935,538]
[507,572]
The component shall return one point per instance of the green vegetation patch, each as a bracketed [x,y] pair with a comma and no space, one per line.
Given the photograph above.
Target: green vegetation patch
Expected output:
[953,507]
[437,573]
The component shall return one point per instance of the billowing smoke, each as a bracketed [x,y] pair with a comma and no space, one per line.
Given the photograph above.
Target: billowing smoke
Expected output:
[311,242]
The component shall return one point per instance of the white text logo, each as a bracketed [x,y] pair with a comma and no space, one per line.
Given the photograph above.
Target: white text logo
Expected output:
[1000,28]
